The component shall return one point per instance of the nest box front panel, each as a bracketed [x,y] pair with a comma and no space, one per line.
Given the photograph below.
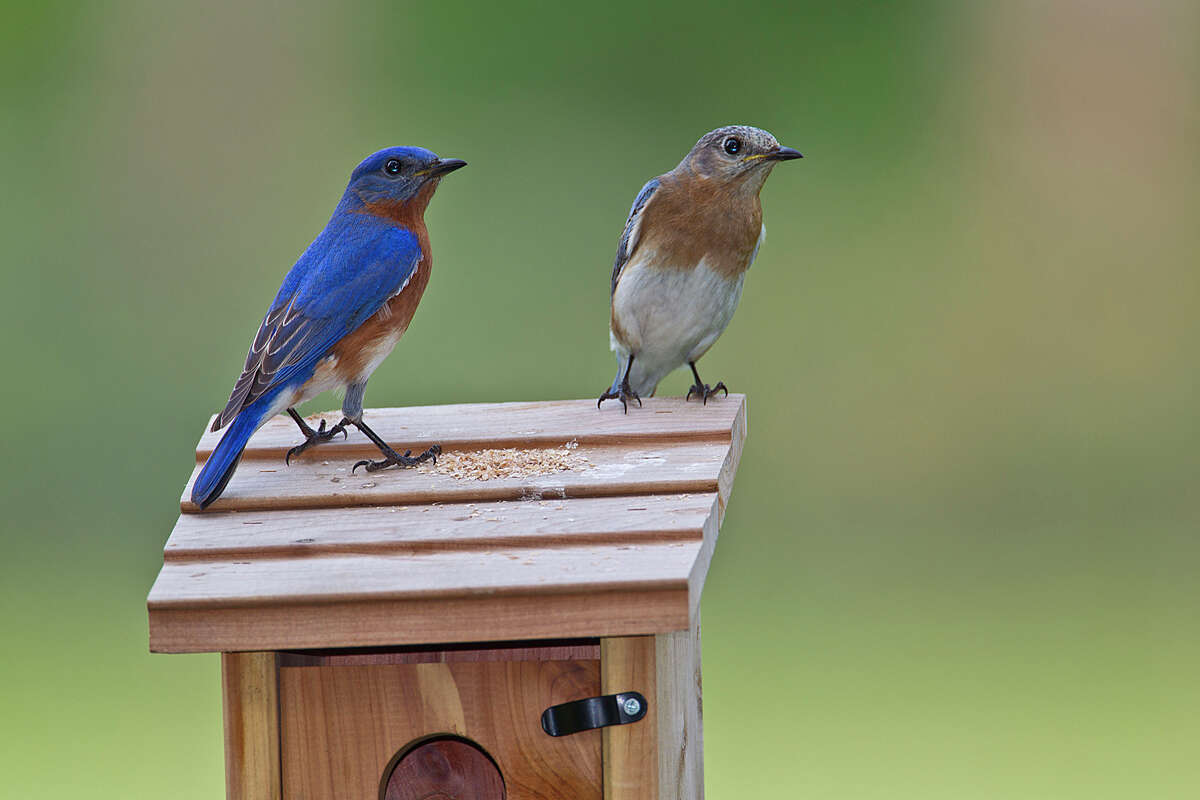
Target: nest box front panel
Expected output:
[341,727]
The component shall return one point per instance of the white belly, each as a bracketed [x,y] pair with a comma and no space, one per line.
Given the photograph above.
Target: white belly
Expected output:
[324,379]
[670,317]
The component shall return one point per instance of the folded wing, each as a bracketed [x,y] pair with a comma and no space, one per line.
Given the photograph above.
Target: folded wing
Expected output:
[334,287]
[633,228]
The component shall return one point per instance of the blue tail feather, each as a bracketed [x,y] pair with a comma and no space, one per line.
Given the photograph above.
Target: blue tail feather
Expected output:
[225,457]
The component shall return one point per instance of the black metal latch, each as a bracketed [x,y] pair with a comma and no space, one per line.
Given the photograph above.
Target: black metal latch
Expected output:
[594,712]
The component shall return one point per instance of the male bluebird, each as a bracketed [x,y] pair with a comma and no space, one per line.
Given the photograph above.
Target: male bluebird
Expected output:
[341,310]
[690,237]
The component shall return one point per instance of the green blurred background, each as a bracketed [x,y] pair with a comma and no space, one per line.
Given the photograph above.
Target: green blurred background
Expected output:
[962,557]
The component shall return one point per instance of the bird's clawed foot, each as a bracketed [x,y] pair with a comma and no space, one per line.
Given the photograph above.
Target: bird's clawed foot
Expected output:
[704,391]
[624,394]
[313,437]
[392,458]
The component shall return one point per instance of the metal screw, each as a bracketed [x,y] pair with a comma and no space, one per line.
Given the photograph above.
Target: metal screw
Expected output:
[632,706]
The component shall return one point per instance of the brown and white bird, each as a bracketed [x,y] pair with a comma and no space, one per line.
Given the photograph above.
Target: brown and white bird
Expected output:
[682,259]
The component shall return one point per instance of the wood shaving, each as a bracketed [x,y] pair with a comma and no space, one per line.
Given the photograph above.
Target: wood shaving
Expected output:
[486,465]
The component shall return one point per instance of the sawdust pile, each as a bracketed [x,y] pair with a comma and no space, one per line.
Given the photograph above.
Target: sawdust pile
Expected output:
[486,465]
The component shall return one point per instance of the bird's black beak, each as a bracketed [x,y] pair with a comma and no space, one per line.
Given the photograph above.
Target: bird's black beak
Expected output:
[444,166]
[785,154]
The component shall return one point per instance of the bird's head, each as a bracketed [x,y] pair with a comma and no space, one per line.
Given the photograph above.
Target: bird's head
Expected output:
[396,176]
[738,155]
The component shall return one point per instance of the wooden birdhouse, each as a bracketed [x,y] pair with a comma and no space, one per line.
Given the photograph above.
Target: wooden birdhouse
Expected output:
[519,620]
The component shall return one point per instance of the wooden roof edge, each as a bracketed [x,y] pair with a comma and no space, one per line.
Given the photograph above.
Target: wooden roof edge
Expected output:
[418,621]
[700,567]
[733,458]
[544,591]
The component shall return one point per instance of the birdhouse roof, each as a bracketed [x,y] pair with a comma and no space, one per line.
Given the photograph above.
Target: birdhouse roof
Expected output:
[540,521]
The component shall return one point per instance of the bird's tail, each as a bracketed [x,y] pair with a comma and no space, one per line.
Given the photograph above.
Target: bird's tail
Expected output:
[225,457]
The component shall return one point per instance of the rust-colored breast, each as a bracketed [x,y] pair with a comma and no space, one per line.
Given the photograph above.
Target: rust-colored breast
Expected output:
[360,349]
[695,219]
[364,347]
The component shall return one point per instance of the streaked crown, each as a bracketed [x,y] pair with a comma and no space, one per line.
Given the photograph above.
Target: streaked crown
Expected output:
[736,151]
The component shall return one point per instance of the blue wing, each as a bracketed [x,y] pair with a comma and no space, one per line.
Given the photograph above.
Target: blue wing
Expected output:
[343,278]
[629,237]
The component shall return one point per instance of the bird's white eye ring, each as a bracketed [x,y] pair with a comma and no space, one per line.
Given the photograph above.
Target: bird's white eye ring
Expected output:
[732,145]
[392,167]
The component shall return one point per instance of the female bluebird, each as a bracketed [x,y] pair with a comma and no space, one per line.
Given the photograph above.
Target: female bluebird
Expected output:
[690,237]
[340,311]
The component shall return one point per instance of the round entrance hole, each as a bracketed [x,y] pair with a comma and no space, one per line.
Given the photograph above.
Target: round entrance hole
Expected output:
[443,768]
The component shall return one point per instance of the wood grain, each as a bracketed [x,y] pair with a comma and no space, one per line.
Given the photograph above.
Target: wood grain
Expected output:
[374,576]
[608,560]
[680,714]
[631,751]
[479,425]
[738,429]
[413,529]
[554,650]
[378,576]
[445,769]
[381,623]
[300,560]
[342,726]
[249,691]
[614,470]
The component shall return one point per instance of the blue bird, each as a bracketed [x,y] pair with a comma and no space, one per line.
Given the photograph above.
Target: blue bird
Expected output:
[341,310]
[682,259]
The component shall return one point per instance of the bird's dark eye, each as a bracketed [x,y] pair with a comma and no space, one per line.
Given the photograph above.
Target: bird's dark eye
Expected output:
[732,145]
[392,167]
